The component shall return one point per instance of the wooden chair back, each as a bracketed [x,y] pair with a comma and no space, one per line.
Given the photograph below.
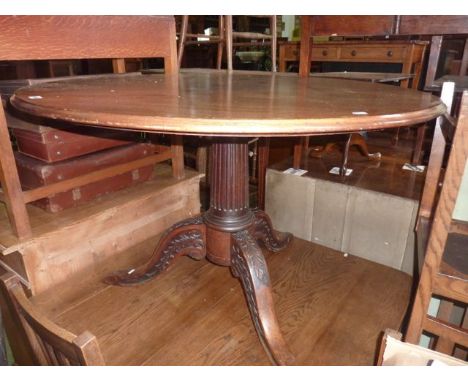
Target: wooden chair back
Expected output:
[186,37]
[80,37]
[434,60]
[88,37]
[231,34]
[439,144]
[51,345]
[436,278]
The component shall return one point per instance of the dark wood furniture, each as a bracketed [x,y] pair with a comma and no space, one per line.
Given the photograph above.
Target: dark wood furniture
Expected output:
[444,272]
[229,233]
[432,83]
[3,351]
[74,37]
[410,54]
[261,146]
[371,26]
[51,345]
[375,26]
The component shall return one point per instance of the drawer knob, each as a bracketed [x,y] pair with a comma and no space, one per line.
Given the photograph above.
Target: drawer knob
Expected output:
[353,53]
[324,52]
[389,53]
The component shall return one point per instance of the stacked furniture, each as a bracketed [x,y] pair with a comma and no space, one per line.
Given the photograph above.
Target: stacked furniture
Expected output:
[45,250]
[70,45]
[46,155]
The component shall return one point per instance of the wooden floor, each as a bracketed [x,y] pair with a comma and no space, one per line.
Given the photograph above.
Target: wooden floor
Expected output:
[332,310]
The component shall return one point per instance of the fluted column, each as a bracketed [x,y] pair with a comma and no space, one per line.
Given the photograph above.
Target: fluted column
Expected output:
[229,194]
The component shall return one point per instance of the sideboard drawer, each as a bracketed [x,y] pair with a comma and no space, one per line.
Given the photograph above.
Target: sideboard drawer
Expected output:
[291,52]
[322,53]
[373,53]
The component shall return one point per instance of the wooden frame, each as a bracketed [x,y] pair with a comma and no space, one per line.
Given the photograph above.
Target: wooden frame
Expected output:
[70,37]
[432,280]
[406,53]
[187,38]
[50,344]
[375,26]
[434,57]
[231,34]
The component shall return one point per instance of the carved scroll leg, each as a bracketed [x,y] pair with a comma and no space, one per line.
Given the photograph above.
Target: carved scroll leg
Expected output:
[263,231]
[359,141]
[249,265]
[187,237]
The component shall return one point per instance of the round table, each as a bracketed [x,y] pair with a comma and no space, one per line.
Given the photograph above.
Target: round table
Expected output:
[230,107]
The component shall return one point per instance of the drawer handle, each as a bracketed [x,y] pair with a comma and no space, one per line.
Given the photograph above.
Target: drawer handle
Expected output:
[389,53]
[324,52]
[353,53]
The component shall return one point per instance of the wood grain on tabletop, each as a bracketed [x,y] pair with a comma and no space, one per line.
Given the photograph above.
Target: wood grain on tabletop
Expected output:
[207,102]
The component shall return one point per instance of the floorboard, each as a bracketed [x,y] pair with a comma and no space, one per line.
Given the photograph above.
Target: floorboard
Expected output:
[332,310]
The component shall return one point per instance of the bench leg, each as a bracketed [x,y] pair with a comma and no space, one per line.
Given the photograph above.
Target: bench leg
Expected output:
[177,149]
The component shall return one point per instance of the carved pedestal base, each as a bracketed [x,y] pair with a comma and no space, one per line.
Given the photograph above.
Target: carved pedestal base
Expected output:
[228,234]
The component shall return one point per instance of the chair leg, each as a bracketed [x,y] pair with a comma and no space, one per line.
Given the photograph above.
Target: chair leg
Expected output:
[182,38]
[344,164]
[177,149]
[301,147]
[202,160]
[229,41]
[273,42]
[359,141]
[222,36]
[12,192]
[421,132]
[263,155]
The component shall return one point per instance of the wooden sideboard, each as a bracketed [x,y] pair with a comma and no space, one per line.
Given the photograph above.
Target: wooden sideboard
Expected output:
[408,53]
[387,25]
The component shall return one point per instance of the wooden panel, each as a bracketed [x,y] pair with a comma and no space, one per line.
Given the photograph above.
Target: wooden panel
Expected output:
[102,228]
[433,25]
[352,25]
[75,37]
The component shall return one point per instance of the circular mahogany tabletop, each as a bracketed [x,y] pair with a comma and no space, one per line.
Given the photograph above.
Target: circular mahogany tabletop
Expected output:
[208,102]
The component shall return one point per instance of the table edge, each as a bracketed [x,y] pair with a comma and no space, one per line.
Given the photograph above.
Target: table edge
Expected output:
[234,127]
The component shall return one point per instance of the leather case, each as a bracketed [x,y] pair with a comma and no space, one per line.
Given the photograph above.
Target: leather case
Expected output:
[52,145]
[34,173]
